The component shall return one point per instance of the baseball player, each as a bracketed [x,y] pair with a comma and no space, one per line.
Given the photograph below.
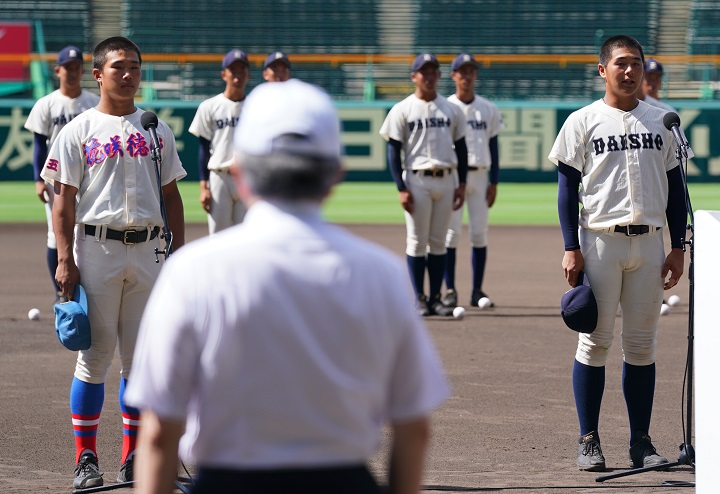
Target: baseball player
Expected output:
[276,67]
[214,125]
[50,114]
[107,219]
[430,132]
[483,124]
[616,157]
[291,400]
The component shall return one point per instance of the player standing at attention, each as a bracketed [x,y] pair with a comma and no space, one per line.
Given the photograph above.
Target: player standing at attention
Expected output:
[276,67]
[430,132]
[290,400]
[107,218]
[483,124]
[616,157]
[214,125]
[47,117]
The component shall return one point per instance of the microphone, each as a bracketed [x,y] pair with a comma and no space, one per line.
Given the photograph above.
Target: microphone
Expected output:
[671,121]
[149,122]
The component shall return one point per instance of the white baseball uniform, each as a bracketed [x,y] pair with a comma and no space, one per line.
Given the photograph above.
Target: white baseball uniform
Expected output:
[47,117]
[215,120]
[483,122]
[107,158]
[623,157]
[427,131]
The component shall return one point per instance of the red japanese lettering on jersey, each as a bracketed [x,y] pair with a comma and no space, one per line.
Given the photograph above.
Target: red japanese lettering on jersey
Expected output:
[137,146]
[94,153]
[114,147]
[52,164]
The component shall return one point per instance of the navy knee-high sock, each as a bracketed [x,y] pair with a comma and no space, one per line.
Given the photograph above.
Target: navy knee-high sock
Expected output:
[52,263]
[638,382]
[436,268]
[450,268]
[588,386]
[416,267]
[479,256]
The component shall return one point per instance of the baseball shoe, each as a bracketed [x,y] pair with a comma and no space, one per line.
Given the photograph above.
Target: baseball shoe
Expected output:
[437,308]
[87,472]
[126,471]
[590,457]
[477,294]
[421,305]
[450,299]
[643,453]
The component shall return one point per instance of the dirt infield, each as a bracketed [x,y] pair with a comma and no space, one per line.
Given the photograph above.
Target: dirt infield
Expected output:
[510,425]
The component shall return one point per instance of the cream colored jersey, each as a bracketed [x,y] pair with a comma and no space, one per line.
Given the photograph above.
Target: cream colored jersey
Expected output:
[427,131]
[215,120]
[107,158]
[483,122]
[624,158]
[52,112]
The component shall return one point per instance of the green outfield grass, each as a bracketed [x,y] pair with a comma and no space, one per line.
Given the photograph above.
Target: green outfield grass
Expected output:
[363,202]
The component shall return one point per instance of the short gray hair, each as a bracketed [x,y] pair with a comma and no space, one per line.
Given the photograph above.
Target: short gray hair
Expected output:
[290,176]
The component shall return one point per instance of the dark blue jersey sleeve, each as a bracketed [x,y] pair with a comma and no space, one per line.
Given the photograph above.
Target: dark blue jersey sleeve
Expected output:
[395,163]
[494,161]
[462,157]
[203,158]
[676,212]
[569,204]
[40,151]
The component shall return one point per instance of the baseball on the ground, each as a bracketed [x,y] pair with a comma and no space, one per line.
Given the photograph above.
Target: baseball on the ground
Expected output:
[484,303]
[34,314]
[673,300]
[459,312]
[664,309]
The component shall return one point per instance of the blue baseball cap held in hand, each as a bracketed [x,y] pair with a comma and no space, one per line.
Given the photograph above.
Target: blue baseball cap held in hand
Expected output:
[71,321]
[578,307]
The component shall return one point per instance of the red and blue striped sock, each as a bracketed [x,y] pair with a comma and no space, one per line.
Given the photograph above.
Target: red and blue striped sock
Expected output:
[86,402]
[131,423]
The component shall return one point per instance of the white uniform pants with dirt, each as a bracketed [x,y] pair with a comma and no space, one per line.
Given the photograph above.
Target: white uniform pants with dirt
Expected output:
[227,209]
[478,212]
[624,270]
[118,279]
[432,201]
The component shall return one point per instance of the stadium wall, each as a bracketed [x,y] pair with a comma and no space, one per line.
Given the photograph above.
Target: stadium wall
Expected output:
[530,130]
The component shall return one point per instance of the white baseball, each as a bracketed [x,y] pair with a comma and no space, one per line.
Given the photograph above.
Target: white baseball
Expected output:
[34,314]
[459,312]
[664,310]
[484,303]
[673,300]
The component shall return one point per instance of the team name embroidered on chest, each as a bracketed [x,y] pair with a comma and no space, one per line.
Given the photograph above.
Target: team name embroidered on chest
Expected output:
[97,152]
[62,119]
[226,122]
[477,124]
[429,123]
[610,144]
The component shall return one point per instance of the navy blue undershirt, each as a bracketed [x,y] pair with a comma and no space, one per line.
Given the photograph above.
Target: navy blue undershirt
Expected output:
[203,158]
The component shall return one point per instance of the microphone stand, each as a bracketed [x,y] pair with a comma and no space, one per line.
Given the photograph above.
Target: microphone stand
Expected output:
[166,234]
[687,452]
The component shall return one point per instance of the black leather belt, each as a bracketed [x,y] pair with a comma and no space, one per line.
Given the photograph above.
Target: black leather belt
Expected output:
[436,172]
[473,168]
[127,237]
[632,230]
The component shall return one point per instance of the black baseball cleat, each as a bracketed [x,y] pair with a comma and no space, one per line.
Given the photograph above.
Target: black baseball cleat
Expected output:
[421,305]
[437,308]
[87,472]
[477,294]
[126,471]
[643,453]
[450,299]
[590,457]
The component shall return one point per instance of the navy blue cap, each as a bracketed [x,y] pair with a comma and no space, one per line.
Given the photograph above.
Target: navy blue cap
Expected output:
[652,65]
[424,59]
[234,56]
[276,56]
[69,54]
[463,59]
[578,307]
[71,321]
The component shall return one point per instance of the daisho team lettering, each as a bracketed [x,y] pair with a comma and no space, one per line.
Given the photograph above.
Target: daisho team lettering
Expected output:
[646,140]
[429,123]
[96,152]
